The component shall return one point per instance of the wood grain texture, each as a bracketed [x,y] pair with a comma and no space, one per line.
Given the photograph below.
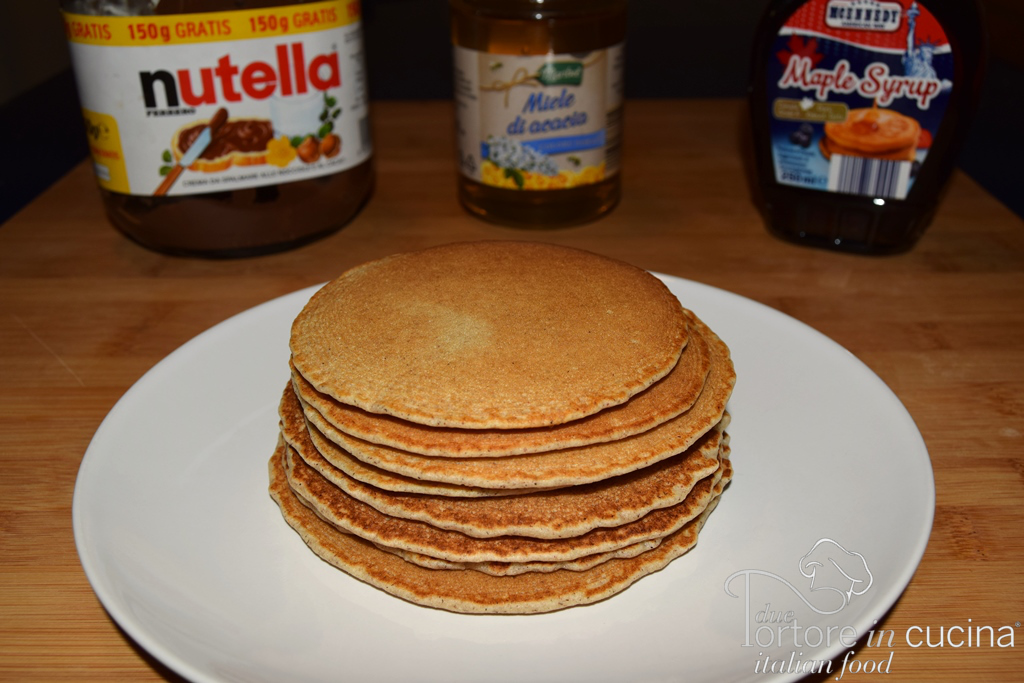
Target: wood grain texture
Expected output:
[84,313]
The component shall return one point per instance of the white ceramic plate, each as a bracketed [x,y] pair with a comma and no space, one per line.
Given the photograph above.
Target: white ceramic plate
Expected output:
[188,553]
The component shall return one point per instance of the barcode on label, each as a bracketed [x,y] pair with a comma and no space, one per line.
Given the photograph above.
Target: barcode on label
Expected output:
[364,133]
[871,177]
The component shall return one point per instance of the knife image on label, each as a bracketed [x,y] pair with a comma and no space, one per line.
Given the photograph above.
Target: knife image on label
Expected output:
[192,153]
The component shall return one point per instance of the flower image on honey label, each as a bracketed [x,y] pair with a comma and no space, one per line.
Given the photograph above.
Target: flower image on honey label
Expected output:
[195,103]
[542,122]
[857,91]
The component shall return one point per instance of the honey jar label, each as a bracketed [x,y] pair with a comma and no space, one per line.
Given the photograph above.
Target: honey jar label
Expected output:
[195,103]
[857,92]
[542,122]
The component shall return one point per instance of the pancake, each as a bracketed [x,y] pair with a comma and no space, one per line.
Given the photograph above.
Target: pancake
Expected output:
[873,131]
[550,469]
[520,474]
[473,591]
[579,564]
[501,427]
[354,517]
[559,513]
[665,399]
[398,483]
[517,568]
[668,397]
[489,335]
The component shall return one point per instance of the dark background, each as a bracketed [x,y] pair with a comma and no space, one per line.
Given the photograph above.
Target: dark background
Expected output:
[675,48]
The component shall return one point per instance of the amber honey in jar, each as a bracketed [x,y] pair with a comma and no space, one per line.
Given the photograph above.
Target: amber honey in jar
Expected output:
[224,127]
[539,98]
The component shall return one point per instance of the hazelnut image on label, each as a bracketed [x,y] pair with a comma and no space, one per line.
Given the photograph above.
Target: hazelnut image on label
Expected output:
[330,146]
[309,150]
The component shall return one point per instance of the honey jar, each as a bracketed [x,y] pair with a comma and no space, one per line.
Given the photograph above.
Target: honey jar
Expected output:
[539,100]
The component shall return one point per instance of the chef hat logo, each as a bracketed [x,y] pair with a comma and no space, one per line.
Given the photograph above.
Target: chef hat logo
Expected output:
[831,567]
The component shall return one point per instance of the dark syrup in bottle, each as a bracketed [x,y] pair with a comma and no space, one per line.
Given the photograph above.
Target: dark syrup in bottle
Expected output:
[858,111]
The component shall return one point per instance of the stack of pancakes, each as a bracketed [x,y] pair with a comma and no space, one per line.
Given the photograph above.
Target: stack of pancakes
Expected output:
[501,427]
[872,133]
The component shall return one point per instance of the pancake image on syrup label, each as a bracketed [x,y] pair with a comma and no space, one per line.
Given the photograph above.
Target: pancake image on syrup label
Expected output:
[872,134]
[857,93]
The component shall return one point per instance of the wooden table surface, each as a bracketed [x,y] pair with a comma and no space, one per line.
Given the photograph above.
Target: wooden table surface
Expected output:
[84,313]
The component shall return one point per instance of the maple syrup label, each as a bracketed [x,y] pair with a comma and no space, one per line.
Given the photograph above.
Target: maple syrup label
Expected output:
[857,90]
[196,103]
[544,122]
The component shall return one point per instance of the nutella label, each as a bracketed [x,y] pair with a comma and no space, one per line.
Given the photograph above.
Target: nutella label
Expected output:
[544,122]
[857,91]
[195,103]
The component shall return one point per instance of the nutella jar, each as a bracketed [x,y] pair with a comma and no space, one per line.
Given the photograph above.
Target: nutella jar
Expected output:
[224,128]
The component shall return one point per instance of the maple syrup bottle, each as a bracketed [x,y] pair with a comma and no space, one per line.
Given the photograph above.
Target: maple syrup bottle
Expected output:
[858,112]
[538,93]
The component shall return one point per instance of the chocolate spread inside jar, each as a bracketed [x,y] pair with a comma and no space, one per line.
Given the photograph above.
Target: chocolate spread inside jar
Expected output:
[292,161]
